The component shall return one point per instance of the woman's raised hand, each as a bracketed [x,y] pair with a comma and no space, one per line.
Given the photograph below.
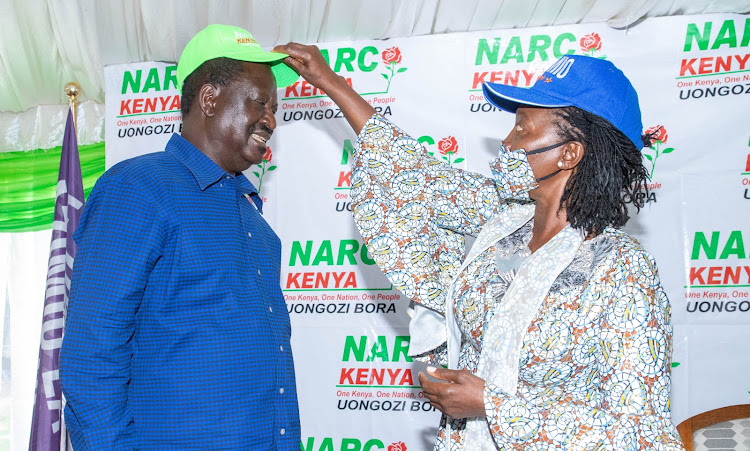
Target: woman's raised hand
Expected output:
[307,61]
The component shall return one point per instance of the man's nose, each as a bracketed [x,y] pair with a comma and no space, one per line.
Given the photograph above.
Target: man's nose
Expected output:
[269,119]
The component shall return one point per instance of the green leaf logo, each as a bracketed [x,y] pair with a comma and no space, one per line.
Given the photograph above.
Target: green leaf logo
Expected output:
[659,136]
[264,168]
[391,59]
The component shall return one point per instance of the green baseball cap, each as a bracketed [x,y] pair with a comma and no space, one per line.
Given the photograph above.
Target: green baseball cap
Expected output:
[216,41]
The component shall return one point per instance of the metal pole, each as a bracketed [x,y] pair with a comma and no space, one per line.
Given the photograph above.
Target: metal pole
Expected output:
[72,90]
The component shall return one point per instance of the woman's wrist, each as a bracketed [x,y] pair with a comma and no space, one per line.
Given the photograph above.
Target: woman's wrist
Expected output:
[356,110]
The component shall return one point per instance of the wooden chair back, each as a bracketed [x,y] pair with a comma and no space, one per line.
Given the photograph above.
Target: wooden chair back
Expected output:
[700,421]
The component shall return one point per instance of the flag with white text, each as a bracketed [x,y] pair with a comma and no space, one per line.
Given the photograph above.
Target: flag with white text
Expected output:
[47,428]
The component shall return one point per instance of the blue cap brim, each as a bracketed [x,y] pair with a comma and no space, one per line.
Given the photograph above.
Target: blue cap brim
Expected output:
[510,98]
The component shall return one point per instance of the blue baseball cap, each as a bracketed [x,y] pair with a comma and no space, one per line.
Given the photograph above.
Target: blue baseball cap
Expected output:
[591,84]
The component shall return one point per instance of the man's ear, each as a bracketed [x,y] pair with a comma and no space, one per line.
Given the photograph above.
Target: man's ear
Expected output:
[571,156]
[207,99]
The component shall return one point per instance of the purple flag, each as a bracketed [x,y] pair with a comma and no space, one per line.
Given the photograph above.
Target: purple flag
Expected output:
[47,429]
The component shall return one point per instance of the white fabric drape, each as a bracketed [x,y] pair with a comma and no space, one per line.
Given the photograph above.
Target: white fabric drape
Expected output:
[23,263]
[42,127]
[46,43]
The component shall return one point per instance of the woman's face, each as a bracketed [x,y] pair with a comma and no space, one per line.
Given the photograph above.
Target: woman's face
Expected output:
[535,128]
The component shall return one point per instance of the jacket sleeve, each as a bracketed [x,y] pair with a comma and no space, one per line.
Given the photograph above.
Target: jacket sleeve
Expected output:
[624,390]
[413,210]
[119,242]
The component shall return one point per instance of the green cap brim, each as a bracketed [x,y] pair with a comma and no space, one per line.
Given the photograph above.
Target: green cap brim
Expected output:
[284,74]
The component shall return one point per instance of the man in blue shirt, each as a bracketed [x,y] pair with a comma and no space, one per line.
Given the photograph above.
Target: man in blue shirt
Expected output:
[177,332]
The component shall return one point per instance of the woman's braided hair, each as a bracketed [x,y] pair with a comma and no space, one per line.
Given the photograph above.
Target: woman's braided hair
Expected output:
[609,176]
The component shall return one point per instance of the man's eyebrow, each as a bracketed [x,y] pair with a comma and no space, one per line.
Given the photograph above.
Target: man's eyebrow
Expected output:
[257,98]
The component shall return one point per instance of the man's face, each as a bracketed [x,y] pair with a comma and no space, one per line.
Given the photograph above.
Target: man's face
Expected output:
[243,118]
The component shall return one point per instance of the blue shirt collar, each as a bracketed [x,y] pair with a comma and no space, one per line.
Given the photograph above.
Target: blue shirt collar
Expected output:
[205,170]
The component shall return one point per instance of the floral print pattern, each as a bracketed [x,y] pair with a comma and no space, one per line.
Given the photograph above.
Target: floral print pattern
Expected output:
[592,364]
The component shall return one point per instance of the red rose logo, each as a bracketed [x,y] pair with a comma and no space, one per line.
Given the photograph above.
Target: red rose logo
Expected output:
[391,58]
[391,55]
[268,155]
[397,446]
[448,146]
[591,42]
[659,133]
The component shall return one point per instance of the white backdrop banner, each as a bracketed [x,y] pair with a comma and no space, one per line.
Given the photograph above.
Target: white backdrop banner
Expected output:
[358,389]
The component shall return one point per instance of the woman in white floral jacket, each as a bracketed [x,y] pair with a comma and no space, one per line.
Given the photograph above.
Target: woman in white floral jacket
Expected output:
[555,328]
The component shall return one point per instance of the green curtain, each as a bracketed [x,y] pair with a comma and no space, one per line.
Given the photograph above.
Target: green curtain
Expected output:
[28,182]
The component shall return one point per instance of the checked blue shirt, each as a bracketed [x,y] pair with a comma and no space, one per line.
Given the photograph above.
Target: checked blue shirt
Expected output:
[177,333]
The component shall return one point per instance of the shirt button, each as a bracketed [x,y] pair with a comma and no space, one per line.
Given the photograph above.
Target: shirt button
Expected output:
[270,309]
[281,348]
[281,390]
[249,235]
[259,272]
[282,431]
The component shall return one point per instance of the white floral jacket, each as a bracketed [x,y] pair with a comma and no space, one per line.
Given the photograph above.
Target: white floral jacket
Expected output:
[573,341]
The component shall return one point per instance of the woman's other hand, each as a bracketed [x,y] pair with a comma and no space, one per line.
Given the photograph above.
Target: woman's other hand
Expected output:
[461,394]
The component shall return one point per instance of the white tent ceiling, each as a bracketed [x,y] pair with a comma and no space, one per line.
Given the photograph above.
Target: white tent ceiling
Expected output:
[46,43]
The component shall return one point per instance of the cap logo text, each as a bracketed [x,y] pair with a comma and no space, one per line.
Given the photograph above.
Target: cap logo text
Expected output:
[561,68]
[244,39]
